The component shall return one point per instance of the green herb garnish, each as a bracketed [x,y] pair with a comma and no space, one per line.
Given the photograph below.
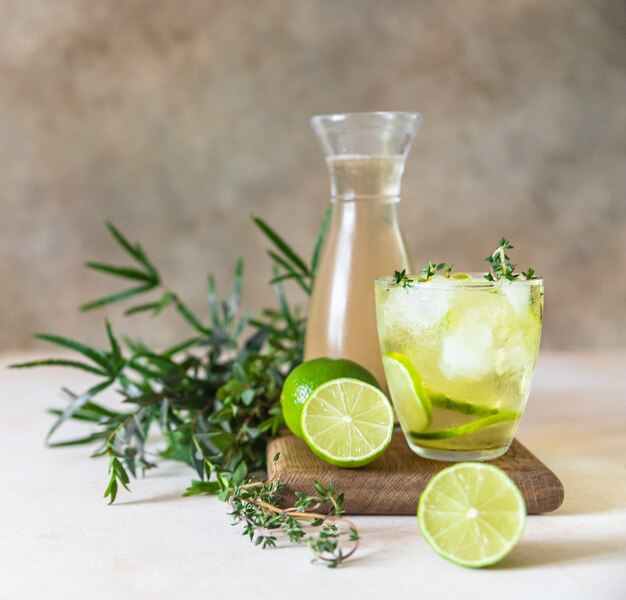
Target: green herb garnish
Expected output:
[425,274]
[431,269]
[213,397]
[500,266]
[400,277]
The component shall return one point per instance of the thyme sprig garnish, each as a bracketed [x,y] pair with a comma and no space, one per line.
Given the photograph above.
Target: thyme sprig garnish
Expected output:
[401,278]
[424,274]
[501,268]
[431,269]
[256,505]
[213,397]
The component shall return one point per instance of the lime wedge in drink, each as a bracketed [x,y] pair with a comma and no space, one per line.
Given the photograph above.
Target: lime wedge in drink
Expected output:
[414,403]
[472,514]
[347,422]
[466,408]
[411,402]
[467,428]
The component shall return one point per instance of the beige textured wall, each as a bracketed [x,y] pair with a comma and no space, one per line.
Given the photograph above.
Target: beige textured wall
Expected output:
[177,120]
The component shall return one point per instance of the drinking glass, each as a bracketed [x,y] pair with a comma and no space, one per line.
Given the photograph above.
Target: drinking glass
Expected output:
[459,356]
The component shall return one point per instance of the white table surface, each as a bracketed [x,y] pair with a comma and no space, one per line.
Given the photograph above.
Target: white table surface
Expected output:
[59,539]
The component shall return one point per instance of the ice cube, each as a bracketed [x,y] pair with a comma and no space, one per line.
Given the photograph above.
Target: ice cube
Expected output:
[518,295]
[514,356]
[416,310]
[468,351]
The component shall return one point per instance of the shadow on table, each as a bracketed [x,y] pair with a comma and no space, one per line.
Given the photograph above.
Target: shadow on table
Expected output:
[542,553]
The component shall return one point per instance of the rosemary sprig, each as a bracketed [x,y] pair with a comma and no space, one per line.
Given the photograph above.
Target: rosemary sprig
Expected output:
[287,263]
[213,397]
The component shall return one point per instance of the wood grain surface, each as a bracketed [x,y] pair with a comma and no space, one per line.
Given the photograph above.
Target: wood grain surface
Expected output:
[392,484]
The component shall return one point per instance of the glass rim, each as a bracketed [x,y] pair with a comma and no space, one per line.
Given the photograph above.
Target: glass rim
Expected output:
[385,115]
[478,282]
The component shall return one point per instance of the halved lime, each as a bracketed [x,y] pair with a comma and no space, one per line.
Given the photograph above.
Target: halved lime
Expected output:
[411,401]
[309,375]
[347,422]
[472,514]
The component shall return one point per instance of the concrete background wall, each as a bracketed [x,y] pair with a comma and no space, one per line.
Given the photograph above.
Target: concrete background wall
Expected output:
[176,120]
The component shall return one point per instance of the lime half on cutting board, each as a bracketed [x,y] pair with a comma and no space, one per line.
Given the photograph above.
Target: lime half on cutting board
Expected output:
[347,422]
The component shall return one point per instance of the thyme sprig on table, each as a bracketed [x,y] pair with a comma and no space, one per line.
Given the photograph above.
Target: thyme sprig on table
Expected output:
[256,505]
[213,397]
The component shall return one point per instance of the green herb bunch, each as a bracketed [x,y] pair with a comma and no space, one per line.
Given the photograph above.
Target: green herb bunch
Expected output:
[213,397]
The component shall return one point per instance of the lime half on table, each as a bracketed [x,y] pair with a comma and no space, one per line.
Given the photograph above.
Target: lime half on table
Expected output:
[472,514]
[347,422]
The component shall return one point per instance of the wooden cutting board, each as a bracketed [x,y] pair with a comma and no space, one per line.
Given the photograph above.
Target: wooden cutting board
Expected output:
[392,484]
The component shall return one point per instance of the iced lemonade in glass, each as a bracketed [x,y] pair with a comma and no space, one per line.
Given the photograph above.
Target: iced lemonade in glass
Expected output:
[459,354]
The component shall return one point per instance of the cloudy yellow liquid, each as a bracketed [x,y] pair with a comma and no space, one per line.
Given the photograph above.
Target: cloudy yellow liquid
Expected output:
[363,242]
[474,347]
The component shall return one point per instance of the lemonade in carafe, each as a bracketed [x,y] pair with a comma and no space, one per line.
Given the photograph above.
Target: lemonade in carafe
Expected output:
[365,154]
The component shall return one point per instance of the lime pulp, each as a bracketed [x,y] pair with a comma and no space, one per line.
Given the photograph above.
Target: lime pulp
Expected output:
[347,422]
[472,514]
[301,382]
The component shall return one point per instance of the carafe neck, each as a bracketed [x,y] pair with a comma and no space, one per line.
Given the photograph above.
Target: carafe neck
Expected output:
[365,178]
[365,153]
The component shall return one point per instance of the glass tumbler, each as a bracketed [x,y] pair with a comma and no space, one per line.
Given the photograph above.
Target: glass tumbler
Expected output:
[459,356]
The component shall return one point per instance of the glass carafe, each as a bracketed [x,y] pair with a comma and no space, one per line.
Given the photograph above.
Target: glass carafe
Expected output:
[365,154]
